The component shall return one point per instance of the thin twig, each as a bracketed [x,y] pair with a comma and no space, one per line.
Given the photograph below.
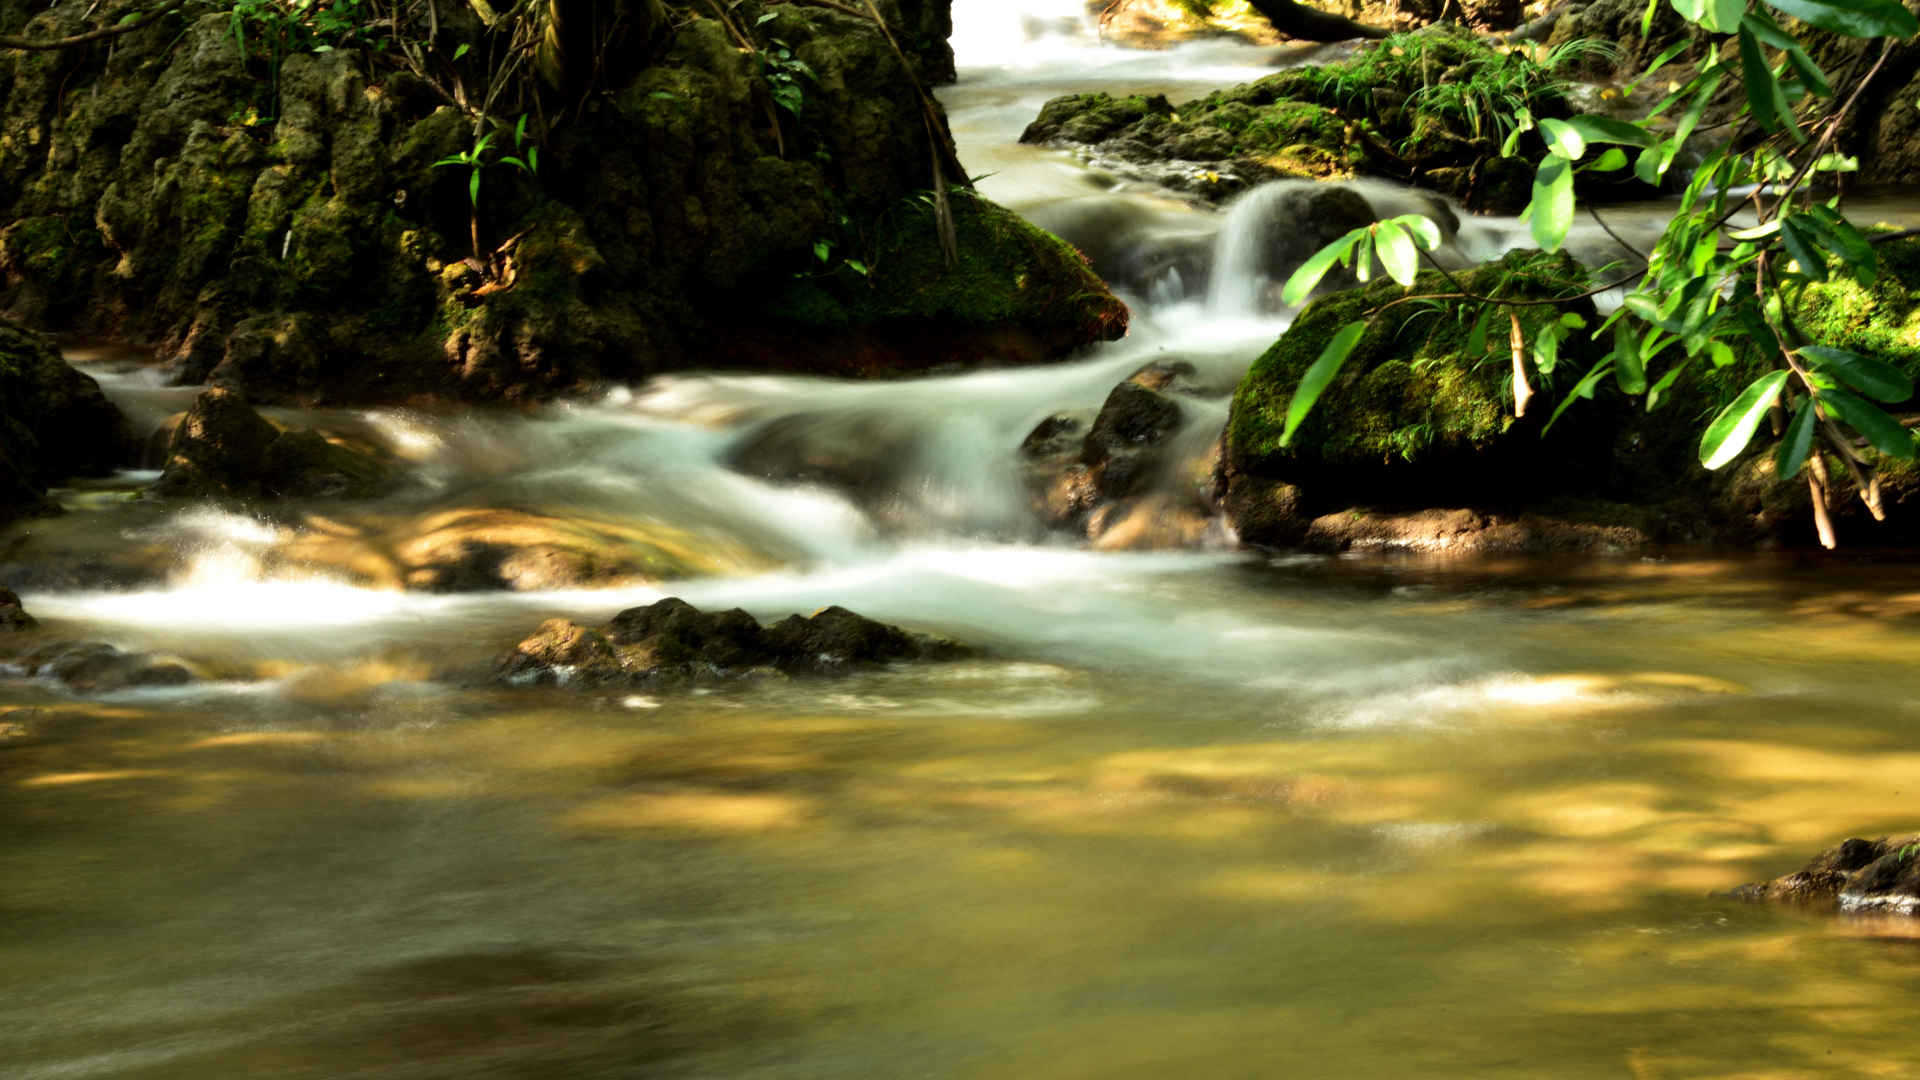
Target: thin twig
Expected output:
[10,41]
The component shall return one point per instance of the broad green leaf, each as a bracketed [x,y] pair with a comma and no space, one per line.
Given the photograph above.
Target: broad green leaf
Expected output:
[1660,388]
[1720,16]
[1397,253]
[1424,231]
[1730,431]
[1758,232]
[1363,257]
[1646,27]
[1875,378]
[1552,204]
[1546,348]
[1628,370]
[1316,267]
[1605,129]
[1720,353]
[1804,248]
[1764,96]
[1316,378]
[1792,452]
[822,249]
[461,51]
[1863,416]
[1612,159]
[1836,163]
[1563,138]
[1854,249]
[1768,31]
[473,188]
[1810,74]
[1853,18]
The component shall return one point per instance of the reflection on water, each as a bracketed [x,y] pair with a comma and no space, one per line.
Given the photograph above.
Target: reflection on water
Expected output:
[1478,838]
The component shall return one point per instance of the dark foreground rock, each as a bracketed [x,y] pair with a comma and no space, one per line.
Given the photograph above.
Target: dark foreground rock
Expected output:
[94,667]
[54,423]
[13,617]
[671,643]
[222,447]
[1853,875]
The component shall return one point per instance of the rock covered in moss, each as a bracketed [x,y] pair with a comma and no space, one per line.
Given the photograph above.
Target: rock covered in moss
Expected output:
[54,423]
[1853,875]
[672,643]
[1421,107]
[288,230]
[1014,293]
[223,447]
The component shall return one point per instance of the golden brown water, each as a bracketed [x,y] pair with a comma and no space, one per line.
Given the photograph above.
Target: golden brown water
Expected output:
[1027,867]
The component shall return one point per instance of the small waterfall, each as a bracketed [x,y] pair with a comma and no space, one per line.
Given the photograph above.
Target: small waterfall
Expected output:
[1242,261]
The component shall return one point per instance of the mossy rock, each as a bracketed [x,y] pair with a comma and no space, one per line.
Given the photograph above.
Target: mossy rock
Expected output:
[1414,413]
[1881,320]
[1008,273]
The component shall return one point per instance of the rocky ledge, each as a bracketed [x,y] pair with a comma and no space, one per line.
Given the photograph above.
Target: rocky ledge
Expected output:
[671,643]
[1853,875]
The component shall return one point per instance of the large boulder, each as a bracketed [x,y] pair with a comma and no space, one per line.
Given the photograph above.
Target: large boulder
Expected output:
[54,423]
[13,617]
[288,228]
[671,643]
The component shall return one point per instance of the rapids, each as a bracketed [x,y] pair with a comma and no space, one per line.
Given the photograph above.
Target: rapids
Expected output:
[1199,811]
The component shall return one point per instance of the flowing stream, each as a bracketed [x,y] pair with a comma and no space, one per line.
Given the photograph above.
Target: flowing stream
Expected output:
[1200,812]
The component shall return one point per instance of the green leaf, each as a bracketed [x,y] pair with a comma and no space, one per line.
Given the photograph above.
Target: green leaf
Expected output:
[821,249]
[1764,96]
[1546,348]
[767,18]
[1424,231]
[1477,334]
[1863,416]
[1758,232]
[1396,251]
[1792,452]
[1810,74]
[1628,369]
[1730,431]
[1552,205]
[1875,378]
[1613,158]
[1595,128]
[1660,388]
[461,51]
[473,188]
[1768,31]
[1563,138]
[1804,248]
[1646,27]
[1310,272]
[1316,378]
[1720,16]
[1363,256]
[858,267]
[1853,18]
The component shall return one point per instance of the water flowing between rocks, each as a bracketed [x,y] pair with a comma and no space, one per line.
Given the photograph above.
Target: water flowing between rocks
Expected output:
[1198,811]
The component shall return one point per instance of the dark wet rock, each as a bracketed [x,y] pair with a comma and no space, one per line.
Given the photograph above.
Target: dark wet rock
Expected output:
[96,667]
[54,423]
[672,643]
[1120,476]
[1853,875]
[222,447]
[13,617]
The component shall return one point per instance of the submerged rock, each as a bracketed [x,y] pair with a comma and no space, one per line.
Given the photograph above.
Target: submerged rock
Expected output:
[672,643]
[13,617]
[223,447]
[95,667]
[1853,875]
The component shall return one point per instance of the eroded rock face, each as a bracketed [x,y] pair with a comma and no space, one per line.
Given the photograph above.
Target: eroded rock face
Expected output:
[54,423]
[1853,875]
[671,643]
[222,447]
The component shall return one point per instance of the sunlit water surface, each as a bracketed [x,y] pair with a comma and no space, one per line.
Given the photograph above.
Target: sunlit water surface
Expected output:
[1202,813]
